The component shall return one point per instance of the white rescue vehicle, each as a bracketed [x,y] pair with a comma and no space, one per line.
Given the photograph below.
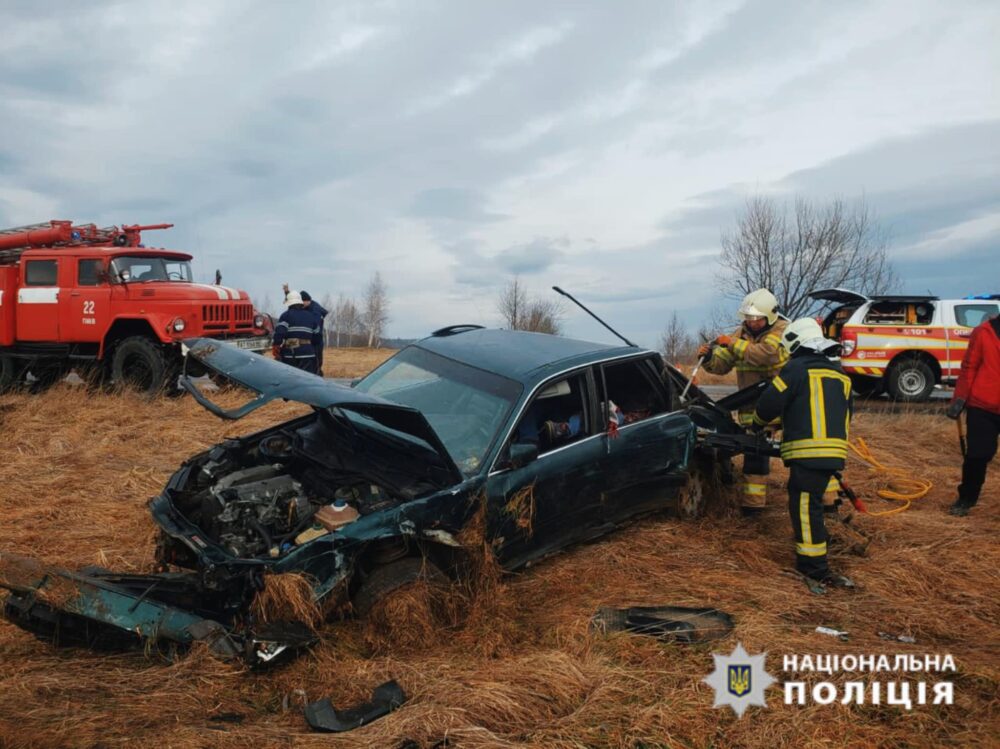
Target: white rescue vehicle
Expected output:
[904,345]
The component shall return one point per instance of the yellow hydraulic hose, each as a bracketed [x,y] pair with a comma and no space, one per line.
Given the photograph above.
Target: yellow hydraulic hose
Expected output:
[902,487]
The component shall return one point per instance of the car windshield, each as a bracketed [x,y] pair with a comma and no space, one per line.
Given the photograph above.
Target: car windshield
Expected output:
[465,406]
[143,268]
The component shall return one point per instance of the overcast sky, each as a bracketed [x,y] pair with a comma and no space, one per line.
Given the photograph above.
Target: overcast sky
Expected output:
[600,146]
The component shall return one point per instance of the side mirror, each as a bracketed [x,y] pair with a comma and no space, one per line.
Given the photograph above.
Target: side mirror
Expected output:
[523,453]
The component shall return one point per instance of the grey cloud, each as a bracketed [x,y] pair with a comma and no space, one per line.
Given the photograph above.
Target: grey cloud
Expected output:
[453,203]
[533,257]
[239,123]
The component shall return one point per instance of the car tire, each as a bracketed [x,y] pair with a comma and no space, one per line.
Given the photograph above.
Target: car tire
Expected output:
[392,577]
[142,365]
[910,380]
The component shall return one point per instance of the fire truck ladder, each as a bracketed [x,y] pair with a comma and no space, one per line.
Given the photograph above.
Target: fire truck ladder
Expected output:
[55,233]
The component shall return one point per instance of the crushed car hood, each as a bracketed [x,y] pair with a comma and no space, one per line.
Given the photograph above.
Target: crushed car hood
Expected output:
[273,380]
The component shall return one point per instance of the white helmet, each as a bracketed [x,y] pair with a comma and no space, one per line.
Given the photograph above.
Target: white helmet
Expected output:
[293,297]
[806,333]
[760,303]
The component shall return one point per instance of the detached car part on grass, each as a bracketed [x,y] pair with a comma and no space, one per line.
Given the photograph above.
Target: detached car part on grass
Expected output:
[377,485]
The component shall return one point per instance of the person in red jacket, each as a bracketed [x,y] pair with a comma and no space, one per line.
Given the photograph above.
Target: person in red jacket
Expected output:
[978,392]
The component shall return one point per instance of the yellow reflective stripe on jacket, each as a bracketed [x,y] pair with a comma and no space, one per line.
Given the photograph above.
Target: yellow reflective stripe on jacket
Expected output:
[779,384]
[814,452]
[814,448]
[723,354]
[740,346]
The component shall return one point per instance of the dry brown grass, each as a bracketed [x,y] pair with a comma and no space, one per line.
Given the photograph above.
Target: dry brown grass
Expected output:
[353,362]
[523,669]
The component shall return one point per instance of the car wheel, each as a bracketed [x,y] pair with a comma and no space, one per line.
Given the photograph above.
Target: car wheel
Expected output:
[406,605]
[12,373]
[691,496]
[910,380]
[387,579]
[141,364]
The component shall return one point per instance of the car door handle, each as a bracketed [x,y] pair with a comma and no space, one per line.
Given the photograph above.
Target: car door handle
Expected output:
[74,293]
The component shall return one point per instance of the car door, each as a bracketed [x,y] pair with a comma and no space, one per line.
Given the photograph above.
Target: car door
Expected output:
[646,455]
[86,308]
[552,498]
[38,300]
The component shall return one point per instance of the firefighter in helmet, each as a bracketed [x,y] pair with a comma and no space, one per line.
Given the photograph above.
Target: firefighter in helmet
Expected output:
[297,335]
[812,395]
[755,352]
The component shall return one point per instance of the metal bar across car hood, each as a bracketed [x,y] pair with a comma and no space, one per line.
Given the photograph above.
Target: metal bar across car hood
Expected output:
[272,379]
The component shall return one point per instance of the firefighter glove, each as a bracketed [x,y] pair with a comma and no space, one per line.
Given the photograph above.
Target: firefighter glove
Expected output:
[705,350]
[955,408]
[724,340]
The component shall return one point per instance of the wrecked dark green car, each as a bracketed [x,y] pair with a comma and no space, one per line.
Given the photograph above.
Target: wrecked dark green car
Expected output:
[550,440]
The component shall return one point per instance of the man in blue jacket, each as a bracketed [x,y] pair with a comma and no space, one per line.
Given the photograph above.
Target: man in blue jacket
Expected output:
[297,335]
[311,305]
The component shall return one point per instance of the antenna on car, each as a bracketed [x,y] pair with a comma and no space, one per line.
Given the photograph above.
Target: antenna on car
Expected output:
[581,306]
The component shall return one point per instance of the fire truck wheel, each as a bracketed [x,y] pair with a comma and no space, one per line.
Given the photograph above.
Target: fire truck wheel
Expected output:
[12,373]
[910,380]
[140,364]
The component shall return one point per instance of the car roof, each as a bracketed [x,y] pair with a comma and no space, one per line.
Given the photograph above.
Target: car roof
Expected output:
[519,355]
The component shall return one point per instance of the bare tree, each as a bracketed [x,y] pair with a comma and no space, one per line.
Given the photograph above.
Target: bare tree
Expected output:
[329,322]
[678,346]
[267,306]
[542,316]
[520,311]
[512,303]
[376,310]
[811,247]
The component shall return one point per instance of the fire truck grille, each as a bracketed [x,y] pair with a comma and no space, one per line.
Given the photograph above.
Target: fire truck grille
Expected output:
[223,316]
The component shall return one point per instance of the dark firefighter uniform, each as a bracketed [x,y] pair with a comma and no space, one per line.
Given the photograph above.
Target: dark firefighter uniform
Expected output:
[812,395]
[311,305]
[755,357]
[296,337]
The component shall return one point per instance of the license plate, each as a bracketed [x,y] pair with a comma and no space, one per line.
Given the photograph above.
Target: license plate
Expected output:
[253,344]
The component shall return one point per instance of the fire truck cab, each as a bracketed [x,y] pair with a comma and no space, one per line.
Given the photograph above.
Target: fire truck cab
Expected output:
[906,344]
[97,301]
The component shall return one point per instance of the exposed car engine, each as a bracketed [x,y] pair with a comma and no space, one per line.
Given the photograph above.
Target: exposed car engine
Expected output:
[255,510]
[264,498]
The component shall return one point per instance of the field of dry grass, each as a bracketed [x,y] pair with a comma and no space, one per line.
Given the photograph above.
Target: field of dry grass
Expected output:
[522,670]
[353,362]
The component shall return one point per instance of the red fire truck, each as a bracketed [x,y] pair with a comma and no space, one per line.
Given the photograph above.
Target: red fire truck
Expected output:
[97,301]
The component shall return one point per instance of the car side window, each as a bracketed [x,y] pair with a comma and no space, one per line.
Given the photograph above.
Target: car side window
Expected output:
[558,415]
[899,313]
[632,388]
[88,273]
[971,315]
[40,273]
